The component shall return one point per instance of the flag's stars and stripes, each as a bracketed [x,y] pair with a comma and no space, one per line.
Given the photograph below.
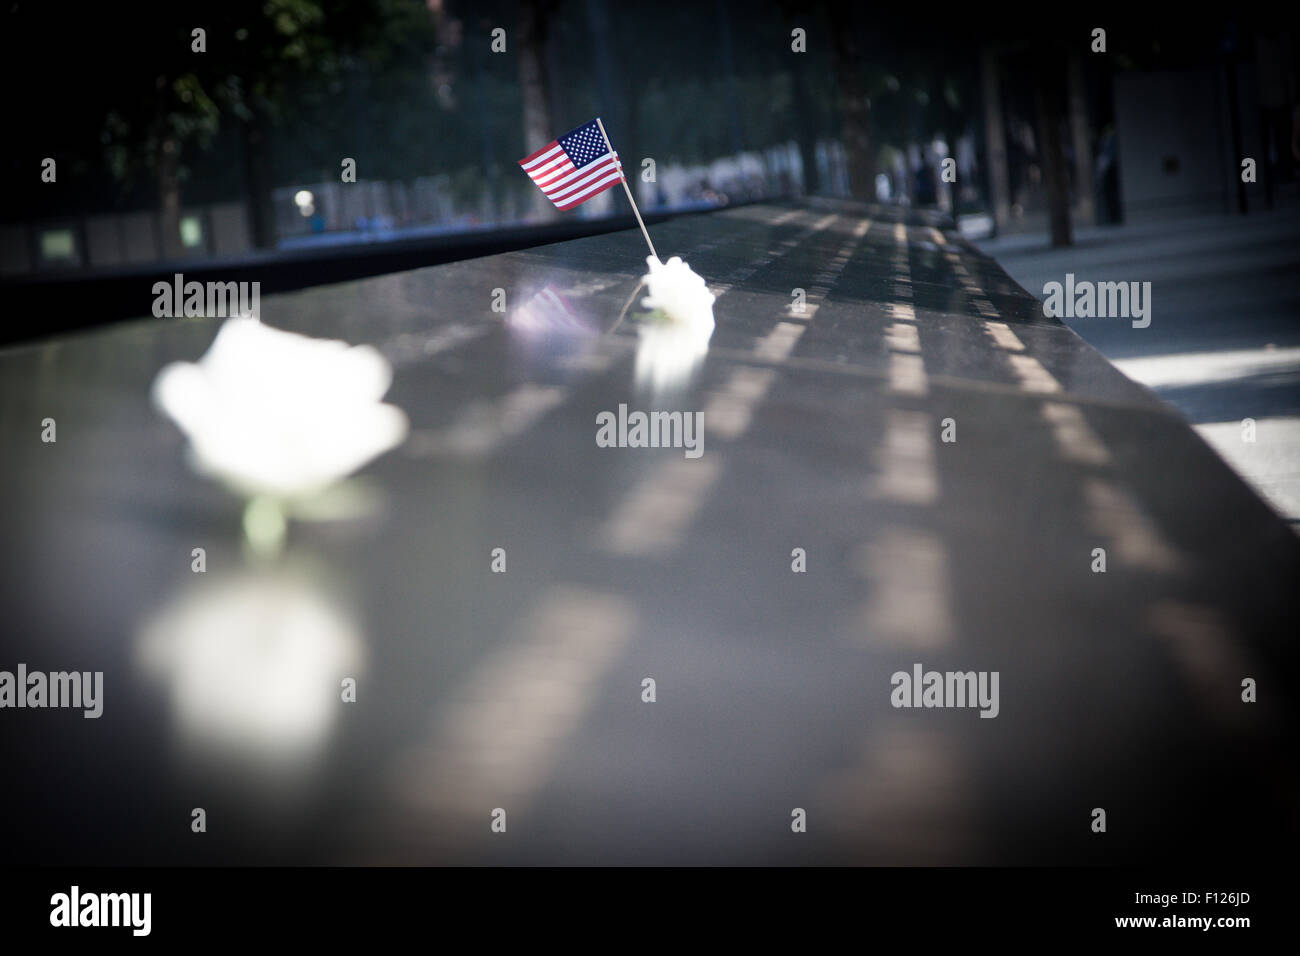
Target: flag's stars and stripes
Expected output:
[575,167]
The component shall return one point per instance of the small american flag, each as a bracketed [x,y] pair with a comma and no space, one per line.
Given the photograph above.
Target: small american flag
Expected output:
[575,167]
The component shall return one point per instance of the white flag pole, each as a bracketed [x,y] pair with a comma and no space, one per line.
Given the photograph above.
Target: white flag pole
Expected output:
[628,190]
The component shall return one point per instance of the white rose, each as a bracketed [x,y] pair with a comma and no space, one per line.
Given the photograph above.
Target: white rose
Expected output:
[679,293]
[281,415]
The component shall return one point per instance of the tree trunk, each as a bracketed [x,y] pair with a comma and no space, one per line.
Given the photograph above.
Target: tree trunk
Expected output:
[534,86]
[1081,138]
[807,134]
[169,196]
[631,135]
[995,138]
[1051,155]
[735,139]
[855,111]
[257,184]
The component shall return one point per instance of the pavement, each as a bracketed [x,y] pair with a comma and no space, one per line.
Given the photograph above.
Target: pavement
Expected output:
[676,659]
[1223,346]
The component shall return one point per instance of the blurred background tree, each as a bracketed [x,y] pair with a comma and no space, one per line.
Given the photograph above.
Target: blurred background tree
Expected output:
[152,101]
[413,90]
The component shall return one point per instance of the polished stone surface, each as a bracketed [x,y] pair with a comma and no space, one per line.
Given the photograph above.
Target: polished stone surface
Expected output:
[823,431]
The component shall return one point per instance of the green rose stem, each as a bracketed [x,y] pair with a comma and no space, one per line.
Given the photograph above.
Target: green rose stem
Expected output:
[265,526]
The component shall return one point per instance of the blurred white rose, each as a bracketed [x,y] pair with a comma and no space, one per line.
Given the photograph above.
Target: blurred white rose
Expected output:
[679,293]
[253,666]
[279,415]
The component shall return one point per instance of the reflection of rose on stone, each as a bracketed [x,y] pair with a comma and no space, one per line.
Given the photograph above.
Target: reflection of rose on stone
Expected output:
[279,417]
[667,356]
[253,667]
